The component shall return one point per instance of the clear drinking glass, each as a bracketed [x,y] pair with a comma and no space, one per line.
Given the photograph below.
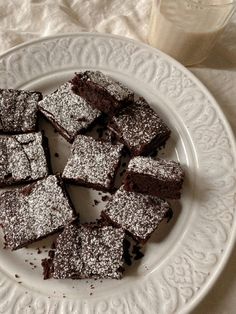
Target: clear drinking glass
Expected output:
[188,29]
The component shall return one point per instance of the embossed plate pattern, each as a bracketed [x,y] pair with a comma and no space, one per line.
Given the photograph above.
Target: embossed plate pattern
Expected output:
[184,258]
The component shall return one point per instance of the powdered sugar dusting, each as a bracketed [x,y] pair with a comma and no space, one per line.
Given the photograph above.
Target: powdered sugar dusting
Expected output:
[34,211]
[22,158]
[138,125]
[89,252]
[167,170]
[137,213]
[92,161]
[18,110]
[69,111]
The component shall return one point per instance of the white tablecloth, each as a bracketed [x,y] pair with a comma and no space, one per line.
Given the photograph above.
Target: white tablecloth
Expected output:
[22,20]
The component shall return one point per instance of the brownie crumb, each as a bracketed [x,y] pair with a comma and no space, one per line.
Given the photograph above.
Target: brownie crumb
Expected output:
[39,251]
[105,198]
[96,202]
[90,293]
[99,193]
[56,155]
[20,282]
[17,276]
[137,252]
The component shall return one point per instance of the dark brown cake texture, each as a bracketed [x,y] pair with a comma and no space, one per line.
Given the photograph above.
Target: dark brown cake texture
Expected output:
[138,214]
[35,211]
[93,163]
[18,110]
[102,91]
[162,178]
[22,158]
[140,128]
[69,113]
[86,251]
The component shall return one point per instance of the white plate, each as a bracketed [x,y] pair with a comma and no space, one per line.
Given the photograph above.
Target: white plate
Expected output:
[184,258]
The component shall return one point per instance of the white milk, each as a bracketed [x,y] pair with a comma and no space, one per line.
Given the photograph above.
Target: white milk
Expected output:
[186,31]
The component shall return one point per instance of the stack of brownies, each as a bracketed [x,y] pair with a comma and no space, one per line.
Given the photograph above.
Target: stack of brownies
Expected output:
[32,212]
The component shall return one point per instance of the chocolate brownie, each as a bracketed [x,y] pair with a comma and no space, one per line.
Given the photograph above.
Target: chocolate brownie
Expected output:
[18,110]
[33,212]
[93,163]
[69,113]
[163,178]
[22,158]
[140,128]
[102,91]
[137,213]
[87,251]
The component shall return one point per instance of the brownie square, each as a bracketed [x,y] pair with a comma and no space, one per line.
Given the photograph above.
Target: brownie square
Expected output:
[163,178]
[140,128]
[93,163]
[22,158]
[102,91]
[18,110]
[69,113]
[33,212]
[138,214]
[87,251]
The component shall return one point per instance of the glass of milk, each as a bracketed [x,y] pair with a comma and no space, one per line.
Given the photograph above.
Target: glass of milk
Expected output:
[188,29]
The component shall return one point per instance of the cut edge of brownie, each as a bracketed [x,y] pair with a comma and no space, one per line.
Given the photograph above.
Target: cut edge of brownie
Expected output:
[150,184]
[95,93]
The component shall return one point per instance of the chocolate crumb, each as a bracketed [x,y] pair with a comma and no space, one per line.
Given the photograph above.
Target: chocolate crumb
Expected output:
[20,282]
[137,251]
[96,202]
[39,251]
[56,155]
[51,254]
[17,276]
[90,293]
[105,198]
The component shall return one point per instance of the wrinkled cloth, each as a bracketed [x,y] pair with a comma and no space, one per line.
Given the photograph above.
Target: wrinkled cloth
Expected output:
[23,20]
